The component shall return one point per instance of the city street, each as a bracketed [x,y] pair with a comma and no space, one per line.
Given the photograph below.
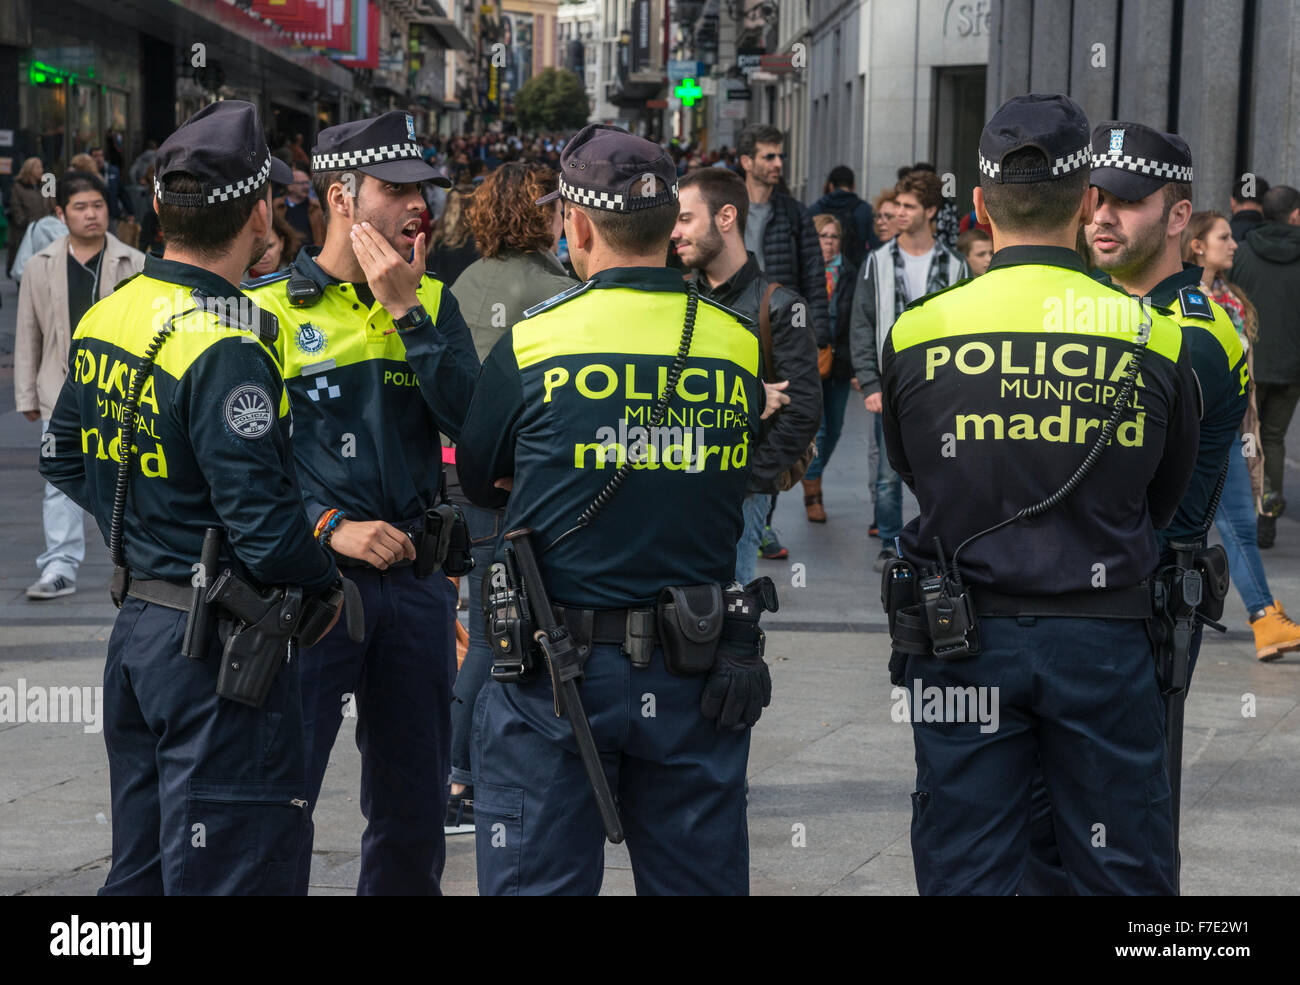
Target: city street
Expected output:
[830,771]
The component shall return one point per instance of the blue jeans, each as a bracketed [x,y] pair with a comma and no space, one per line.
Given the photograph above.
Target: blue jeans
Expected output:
[889,492]
[835,394]
[755,509]
[485,529]
[1235,519]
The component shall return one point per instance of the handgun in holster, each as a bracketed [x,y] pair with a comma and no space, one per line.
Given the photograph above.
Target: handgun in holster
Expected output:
[1189,588]
[443,542]
[509,625]
[264,624]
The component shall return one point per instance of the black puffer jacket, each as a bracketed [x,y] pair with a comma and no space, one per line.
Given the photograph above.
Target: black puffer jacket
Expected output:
[792,258]
[1267,269]
[786,434]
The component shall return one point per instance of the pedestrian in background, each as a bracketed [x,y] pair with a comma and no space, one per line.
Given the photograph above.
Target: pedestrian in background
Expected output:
[301,211]
[451,245]
[780,234]
[1210,245]
[910,266]
[841,275]
[977,247]
[518,269]
[281,248]
[62,282]
[119,199]
[1267,268]
[26,205]
[710,237]
[1247,210]
[856,221]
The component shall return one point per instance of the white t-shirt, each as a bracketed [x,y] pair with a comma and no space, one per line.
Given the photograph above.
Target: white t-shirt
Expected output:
[916,271]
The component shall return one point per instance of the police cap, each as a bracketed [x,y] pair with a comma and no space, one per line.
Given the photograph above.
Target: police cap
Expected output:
[1055,125]
[223,148]
[605,167]
[383,147]
[1131,161]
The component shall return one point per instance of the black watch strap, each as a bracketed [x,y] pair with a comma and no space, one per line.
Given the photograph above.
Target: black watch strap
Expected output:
[411,318]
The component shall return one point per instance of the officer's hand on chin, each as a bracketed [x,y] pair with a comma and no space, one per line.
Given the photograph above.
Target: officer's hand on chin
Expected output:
[873,403]
[372,541]
[392,279]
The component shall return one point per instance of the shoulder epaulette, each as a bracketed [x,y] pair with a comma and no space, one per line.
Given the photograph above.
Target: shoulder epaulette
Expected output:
[930,297]
[1195,304]
[560,298]
[743,319]
[127,280]
[270,278]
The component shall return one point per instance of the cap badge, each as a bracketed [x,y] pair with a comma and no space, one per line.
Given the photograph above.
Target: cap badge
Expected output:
[1117,141]
[410,127]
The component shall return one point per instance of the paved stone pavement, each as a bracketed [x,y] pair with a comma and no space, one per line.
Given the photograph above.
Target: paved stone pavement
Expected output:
[826,756]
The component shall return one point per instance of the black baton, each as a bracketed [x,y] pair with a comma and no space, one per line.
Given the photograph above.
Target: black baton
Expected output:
[566,669]
[199,626]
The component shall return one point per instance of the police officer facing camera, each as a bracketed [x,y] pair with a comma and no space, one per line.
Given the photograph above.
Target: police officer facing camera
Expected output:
[173,430]
[1022,590]
[378,360]
[1144,183]
[625,410]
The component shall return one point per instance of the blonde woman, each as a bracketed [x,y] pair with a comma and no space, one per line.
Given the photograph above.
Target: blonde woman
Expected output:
[1208,243]
[451,244]
[26,204]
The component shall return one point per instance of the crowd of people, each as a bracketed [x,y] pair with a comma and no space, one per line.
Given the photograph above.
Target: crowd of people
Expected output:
[822,287]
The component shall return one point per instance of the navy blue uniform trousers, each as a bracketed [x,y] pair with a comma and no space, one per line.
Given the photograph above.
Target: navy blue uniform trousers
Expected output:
[397,682]
[679,783]
[1078,698]
[1045,874]
[208,794]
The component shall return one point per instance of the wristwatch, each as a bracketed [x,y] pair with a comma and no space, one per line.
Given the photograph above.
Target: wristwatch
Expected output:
[411,318]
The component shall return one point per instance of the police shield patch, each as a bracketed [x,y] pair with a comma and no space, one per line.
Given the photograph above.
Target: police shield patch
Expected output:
[410,127]
[1117,141]
[310,339]
[248,411]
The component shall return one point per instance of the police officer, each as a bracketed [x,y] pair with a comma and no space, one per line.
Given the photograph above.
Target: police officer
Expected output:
[995,391]
[209,794]
[566,400]
[378,360]
[1144,182]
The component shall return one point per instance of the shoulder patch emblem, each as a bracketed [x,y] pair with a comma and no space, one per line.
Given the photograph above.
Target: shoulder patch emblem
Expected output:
[310,339]
[248,411]
[1195,304]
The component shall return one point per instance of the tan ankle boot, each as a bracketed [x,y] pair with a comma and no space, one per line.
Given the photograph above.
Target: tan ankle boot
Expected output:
[812,500]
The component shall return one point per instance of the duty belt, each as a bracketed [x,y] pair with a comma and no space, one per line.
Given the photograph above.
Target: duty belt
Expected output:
[601,626]
[1106,603]
[170,594]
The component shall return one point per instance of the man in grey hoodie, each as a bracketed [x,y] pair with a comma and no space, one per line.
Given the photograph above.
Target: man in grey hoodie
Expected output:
[1267,269]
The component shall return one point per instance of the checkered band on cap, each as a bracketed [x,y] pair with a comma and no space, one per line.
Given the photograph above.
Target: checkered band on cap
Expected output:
[225,193]
[1141,165]
[345,160]
[990,168]
[616,202]
[1061,166]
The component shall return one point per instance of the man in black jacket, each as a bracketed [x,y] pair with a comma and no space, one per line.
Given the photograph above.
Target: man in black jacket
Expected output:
[710,239]
[1267,269]
[1247,212]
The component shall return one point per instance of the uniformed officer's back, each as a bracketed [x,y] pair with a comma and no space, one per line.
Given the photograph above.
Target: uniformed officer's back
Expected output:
[1016,372]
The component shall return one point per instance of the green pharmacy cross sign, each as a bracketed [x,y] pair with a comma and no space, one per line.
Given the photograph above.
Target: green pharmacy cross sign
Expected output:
[688,92]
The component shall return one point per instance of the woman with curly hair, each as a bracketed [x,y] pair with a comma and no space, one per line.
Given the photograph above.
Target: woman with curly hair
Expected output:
[451,243]
[516,241]
[518,269]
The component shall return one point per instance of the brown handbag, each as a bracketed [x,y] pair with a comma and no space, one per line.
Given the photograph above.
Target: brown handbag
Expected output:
[791,476]
[825,359]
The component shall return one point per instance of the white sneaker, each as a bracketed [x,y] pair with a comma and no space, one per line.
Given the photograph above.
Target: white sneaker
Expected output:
[51,588]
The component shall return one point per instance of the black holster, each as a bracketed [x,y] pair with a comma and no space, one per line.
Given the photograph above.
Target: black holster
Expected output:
[509,625]
[1189,587]
[443,542]
[690,623]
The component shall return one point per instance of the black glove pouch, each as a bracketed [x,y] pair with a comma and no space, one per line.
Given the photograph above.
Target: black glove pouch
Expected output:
[1213,565]
[434,539]
[690,622]
[459,561]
